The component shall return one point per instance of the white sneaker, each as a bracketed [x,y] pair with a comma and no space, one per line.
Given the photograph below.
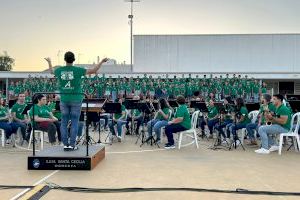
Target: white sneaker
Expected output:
[262,151]
[119,138]
[274,148]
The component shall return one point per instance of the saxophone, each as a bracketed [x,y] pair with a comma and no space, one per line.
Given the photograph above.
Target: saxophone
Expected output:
[266,112]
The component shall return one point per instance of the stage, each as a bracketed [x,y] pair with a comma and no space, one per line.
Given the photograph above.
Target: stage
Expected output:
[54,158]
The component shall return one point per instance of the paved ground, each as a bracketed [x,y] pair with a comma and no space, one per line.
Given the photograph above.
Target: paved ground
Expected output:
[128,165]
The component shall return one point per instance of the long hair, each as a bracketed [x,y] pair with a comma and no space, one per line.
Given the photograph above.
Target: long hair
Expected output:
[239,103]
[163,104]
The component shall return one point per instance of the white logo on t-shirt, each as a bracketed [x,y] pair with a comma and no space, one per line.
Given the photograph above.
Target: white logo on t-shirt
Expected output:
[67,75]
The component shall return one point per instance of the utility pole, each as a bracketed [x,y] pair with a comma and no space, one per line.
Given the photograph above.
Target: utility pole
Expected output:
[130,17]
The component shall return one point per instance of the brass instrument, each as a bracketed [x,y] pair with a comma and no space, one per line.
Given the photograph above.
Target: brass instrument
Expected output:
[266,112]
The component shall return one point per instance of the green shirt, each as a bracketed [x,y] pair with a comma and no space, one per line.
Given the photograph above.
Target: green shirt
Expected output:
[70,82]
[3,111]
[18,109]
[119,115]
[136,112]
[166,111]
[182,111]
[263,90]
[244,112]
[284,111]
[40,111]
[212,112]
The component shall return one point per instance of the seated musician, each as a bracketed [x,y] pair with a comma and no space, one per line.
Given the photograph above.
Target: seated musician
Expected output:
[44,119]
[211,119]
[281,123]
[8,127]
[226,117]
[241,119]
[160,120]
[119,119]
[266,106]
[18,117]
[181,122]
[137,116]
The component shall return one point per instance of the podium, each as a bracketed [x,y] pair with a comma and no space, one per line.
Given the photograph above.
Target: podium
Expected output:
[55,158]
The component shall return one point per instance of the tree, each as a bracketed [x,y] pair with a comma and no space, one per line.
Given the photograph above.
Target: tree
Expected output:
[6,62]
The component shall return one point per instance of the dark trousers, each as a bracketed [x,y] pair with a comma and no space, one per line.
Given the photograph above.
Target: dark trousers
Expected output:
[210,124]
[223,125]
[23,127]
[173,128]
[51,128]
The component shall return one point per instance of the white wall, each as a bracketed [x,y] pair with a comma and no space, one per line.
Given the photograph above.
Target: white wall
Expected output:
[217,53]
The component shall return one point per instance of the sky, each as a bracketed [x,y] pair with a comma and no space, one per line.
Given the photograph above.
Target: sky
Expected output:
[34,29]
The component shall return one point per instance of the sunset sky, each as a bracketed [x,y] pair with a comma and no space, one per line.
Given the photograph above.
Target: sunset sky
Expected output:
[33,29]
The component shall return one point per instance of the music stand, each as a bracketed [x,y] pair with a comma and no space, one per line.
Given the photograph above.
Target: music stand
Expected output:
[28,107]
[11,103]
[295,105]
[173,103]
[252,106]
[57,105]
[131,105]
[145,108]
[112,108]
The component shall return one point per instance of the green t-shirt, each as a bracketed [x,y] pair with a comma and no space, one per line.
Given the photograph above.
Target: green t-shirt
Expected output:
[182,111]
[119,115]
[244,112]
[212,112]
[70,82]
[136,112]
[263,90]
[166,111]
[3,111]
[40,111]
[18,109]
[284,111]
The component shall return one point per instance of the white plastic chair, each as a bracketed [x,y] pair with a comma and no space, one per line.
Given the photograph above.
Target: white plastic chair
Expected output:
[191,132]
[292,133]
[2,132]
[41,133]
[253,116]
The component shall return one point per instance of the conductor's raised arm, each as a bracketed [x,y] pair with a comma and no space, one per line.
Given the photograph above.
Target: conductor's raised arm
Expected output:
[97,67]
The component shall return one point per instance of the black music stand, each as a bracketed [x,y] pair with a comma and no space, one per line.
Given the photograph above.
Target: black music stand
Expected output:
[57,105]
[201,106]
[235,137]
[145,108]
[252,106]
[28,107]
[217,144]
[131,105]
[173,103]
[295,105]
[112,108]
[11,103]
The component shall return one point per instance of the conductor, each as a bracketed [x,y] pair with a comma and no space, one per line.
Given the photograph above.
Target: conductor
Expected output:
[69,78]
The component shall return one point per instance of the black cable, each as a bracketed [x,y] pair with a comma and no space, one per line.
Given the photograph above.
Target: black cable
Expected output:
[129,190]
